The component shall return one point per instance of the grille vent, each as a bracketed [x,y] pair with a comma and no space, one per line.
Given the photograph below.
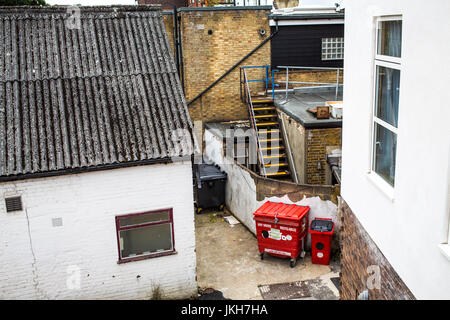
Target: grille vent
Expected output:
[13,204]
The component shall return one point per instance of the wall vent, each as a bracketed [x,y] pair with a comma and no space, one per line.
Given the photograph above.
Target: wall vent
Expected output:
[13,204]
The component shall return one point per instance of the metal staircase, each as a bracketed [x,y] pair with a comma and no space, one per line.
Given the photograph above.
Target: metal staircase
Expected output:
[272,158]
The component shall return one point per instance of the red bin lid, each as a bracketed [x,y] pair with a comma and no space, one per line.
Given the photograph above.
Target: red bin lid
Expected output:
[282,210]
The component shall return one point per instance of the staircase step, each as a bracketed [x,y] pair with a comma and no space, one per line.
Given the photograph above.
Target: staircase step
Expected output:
[269,140]
[281,155]
[279,173]
[284,164]
[268,131]
[272,148]
[261,100]
[263,108]
[265,116]
[266,124]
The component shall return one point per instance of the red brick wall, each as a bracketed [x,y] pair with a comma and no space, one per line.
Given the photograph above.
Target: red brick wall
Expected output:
[358,253]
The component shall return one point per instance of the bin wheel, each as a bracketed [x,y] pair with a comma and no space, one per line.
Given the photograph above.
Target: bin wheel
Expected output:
[293,262]
[262,255]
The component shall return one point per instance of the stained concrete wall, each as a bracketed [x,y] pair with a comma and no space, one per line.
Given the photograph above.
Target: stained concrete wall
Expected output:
[247,191]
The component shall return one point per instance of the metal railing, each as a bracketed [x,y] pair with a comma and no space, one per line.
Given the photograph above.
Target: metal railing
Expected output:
[315,84]
[248,99]
[266,80]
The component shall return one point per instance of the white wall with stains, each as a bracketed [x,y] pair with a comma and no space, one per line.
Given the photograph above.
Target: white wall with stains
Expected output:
[241,197]
[41,261]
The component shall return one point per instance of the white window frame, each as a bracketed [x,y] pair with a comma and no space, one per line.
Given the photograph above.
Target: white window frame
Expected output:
[382,56]
[392,63]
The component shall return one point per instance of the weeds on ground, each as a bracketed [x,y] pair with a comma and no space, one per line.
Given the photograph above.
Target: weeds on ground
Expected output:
[157,293]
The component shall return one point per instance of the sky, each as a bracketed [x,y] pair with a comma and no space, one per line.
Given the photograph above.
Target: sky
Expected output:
[111,2]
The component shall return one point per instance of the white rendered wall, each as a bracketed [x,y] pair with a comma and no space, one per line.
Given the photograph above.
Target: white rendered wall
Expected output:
[408,227]
[37,263]
[240,191]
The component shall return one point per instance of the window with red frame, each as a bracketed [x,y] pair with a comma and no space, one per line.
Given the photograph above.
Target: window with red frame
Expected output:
[145,235]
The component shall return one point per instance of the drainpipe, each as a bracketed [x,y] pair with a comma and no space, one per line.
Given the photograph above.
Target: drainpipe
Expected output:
[175,38]
[178,45]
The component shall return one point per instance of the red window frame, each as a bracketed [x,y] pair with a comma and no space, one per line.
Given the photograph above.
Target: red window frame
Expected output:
[137,226]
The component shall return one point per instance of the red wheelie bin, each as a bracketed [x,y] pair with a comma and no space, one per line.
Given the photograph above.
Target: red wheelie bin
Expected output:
[281,230]
[321,231]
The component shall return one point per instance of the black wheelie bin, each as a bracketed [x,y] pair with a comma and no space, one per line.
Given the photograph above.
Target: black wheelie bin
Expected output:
[210,185]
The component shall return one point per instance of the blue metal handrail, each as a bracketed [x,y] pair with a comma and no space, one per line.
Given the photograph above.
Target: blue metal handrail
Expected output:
[273,83]
[266,78]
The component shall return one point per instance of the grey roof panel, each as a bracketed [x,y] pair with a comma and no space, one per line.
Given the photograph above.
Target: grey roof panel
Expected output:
[103,94]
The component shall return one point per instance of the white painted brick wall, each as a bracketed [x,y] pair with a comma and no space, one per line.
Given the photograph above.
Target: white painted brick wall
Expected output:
[36,268]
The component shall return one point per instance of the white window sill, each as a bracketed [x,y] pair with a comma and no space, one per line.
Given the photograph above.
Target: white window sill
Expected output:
[382,185]
[445,250]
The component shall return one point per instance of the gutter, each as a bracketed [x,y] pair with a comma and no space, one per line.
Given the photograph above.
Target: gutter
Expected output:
[311,16]
[61,172]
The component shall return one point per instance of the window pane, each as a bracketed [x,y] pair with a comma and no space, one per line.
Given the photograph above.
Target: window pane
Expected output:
[332,48]
[387,93]
[390,38]
[146,240]
[384,153]
[144,218]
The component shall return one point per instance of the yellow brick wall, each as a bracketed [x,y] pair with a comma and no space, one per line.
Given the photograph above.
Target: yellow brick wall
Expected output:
[207,56]
[316,142]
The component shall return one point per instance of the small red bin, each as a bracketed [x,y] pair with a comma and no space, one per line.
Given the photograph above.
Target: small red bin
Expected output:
[281,229]
[321,231]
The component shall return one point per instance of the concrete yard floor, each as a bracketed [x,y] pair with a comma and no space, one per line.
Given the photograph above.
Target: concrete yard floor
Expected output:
[228,260]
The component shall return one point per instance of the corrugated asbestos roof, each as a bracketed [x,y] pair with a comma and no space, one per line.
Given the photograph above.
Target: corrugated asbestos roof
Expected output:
[73,98]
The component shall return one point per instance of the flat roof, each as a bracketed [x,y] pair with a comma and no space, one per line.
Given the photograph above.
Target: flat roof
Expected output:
[300,100]
[309,16]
